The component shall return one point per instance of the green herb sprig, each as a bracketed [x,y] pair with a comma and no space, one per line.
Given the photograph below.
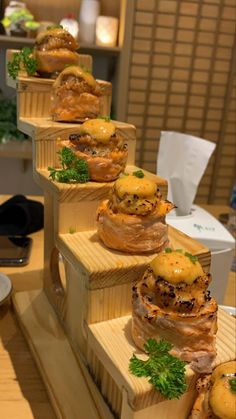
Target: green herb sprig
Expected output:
[73,169]
[232,383]
[193,258]
[22,59]
[105,117]
[138,173]
[163,370]
[54,27]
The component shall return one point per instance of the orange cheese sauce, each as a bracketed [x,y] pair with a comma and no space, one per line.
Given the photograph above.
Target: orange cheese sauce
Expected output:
[175,267]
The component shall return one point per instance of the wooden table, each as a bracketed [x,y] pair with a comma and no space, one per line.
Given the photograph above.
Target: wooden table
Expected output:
[22,392]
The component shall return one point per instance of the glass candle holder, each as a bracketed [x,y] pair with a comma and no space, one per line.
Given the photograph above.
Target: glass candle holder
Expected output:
[106,31]
[89,11]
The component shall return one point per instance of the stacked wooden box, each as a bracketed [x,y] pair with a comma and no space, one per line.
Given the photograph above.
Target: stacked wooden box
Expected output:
[94,302]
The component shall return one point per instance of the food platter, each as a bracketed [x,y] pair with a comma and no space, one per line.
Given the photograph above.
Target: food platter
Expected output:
[94,303]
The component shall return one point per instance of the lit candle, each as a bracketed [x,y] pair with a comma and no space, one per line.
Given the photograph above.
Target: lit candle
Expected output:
[106,31]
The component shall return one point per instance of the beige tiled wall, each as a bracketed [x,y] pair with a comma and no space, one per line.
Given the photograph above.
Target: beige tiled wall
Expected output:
[181,78]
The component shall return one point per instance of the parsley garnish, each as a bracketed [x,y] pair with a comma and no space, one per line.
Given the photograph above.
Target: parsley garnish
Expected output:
[54,27]
[73,168]
[165,372]
[86,70]
[232,384]
[22,59]
[189,255]
[105,117]
[138,173]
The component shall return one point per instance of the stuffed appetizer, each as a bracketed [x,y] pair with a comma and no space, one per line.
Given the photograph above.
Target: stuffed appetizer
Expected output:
[76,95]
[103,146]
[133,219]
[54,49]
[172,302]
[216,394]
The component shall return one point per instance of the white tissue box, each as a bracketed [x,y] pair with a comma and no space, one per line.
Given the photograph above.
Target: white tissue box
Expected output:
[205,228]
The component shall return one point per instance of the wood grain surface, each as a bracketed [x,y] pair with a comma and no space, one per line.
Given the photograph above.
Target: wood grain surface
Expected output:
[111,342]
[106,267]
[22,392]
[21,387]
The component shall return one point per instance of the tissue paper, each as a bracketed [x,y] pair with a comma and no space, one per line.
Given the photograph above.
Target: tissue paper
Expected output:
[182,160]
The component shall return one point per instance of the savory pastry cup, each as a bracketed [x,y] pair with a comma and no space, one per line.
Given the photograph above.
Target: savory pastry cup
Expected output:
[172,302]
[216,399]
[75,96]
[133,219]
[103,146]
[54,49]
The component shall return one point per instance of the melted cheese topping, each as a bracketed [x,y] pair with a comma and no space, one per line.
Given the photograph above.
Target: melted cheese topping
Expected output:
[132,185]
[76,71]
[222,399]
[99,129]
[175,267]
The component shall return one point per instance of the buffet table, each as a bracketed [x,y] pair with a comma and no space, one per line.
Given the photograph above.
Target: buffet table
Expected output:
[21,388]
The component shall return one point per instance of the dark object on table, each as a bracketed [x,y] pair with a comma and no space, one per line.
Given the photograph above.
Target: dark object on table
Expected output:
[20,216]
[15,251]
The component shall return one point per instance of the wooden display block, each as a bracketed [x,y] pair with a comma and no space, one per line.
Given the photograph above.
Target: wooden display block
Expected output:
[45,134]
[34,93]
[50,348]
[34,97]
[75,205]
[84,60]
[98,280]
[110,346]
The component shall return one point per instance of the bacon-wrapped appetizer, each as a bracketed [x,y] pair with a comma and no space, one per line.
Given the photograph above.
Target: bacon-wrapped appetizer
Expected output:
[54,49]
[103,146]
[75,96]
[172,302]
[133,219]
[216,394]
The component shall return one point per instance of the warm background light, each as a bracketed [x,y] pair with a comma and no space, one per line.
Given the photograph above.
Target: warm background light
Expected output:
[106,31]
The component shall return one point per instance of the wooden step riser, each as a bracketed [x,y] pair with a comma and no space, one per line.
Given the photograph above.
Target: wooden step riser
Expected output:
[46,141]
[37,104]
[110,347]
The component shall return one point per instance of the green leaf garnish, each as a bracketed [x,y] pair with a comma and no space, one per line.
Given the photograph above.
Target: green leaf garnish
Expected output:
[189,255]
[85,69]
[105,117]
[72,230]
[22,59]
[164,371]
[54,27]
[232,383]
[138,173]
[73,168]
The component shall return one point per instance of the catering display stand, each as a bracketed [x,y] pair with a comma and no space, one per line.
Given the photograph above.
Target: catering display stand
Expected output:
[79,328]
